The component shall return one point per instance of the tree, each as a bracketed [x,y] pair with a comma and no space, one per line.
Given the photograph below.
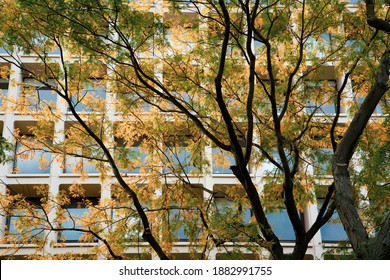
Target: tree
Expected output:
[4,148]
[245,77]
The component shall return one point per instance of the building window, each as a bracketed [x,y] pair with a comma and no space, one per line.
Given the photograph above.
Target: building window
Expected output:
[232,214]
[76,219]
[127,223]
[179,157]
[281,225]
[222,161]
[322,165]
[39,95]
[43,45]
[321,97]
[176,222]
[75,164]
[26,225]
[383,103]
[3,90]
[354,1]
[320,45]
[270,169]
[25,219]
[29,159]
[333,230]
[182,215]
[179,160]
[133,100]
[130,159]
[86,99]
[236,219]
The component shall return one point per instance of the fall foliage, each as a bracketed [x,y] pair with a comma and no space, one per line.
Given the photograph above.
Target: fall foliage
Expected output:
[226,127]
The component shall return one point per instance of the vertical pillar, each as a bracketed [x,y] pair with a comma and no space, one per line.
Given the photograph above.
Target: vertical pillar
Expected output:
[311,213]
[348,96]
[3,217]
[8,129]
[51,236]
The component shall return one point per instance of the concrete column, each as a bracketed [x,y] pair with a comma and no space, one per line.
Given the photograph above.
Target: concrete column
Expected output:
[59,137]
[3,217]
[7,133]
[54,189]
[311,213]
[348,94]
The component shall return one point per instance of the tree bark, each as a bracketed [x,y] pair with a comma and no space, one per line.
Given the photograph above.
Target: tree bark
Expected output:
[381,250]
[343,189]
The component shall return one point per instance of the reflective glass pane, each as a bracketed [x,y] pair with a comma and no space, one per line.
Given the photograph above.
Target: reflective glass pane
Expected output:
[130,160]
[42,95]
[3,90]
[222,162]
[333,230]
[72,162]
[22,222]
[378,108]
[97,92]
[281,225]
[321,97]
[323,161]
[73,220]
[29,163]
[180,159]
[175,218]
[132,223]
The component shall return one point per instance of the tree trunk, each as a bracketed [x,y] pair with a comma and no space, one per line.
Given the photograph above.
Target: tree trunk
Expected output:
[343,189]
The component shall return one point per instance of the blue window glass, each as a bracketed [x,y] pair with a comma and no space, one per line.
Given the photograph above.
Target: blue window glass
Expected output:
[46,97]
[128,219]
[22,222]
[96,92]
[74,219]
[87,165]
[319,45]
[179,160]
[29,162]
[176,218]
[3,90]
[269,168]
[257,46]
[236,219]
[379,108]
[133,100]
[323,161]
[183,219]
[45,44]
[130,159]
[281,225]
[222,162]
[42,96]
[326,108]
[55,51]
[317,102]
[355,45]
[180,225]
[333,230]
[140,156]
